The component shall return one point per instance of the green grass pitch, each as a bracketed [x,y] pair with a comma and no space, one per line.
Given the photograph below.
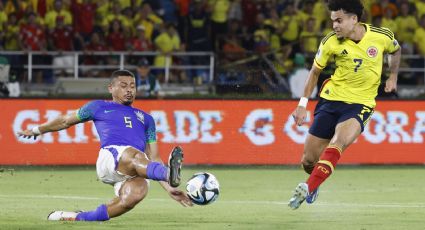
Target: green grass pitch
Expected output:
[360,198]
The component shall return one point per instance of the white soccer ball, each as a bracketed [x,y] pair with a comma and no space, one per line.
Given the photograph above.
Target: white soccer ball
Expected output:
[203,188]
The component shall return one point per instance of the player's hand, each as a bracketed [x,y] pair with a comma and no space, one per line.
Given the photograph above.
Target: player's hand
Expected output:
[180,197]
[27,134]
[299,115]
[390,85]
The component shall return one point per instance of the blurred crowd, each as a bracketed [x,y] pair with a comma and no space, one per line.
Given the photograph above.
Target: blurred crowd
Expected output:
[229,27]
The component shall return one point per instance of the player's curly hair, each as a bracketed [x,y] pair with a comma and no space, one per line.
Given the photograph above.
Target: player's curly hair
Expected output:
[348,6]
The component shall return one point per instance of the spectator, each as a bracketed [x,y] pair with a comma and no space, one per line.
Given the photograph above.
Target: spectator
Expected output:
[235,10]
[420,8]
[290,26]
[84,17]
[32,38]
[381,7]
[419,42]
[183,8]
[58,11]
[167,42]
[140,42]
[327,28]
[3,16]
[249,12]
[232,49]
[32,35]
[128,21]
[309,38]
[389,22]
[154,5]
[320,12]
[125,3]
[273,26]
[169,10]
[116,38]
[61,39]
[306,13]
[113,16]
[142,18]
[406,24]
[198,28]
[282,62]
[147,83]
[298,78]
[261,35]
[219,11]
[419,37]
[96,44]
[11,33]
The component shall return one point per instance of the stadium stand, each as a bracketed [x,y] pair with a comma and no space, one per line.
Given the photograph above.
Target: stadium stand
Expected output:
[241,34]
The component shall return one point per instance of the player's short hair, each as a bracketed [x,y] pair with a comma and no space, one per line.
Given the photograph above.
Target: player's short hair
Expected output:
[120,72]
[348,6]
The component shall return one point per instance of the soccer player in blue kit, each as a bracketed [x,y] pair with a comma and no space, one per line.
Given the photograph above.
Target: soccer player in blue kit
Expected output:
[129,153]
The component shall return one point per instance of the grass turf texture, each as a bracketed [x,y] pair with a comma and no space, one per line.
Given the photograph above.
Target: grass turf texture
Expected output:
[251,197]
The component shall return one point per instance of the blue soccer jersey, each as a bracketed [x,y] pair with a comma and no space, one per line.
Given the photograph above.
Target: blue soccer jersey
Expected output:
[119,124]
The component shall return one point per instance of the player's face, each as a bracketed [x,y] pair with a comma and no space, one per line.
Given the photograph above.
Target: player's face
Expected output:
[123,90]
[343,23]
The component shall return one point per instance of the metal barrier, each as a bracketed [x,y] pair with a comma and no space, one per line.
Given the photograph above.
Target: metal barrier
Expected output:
[30,66]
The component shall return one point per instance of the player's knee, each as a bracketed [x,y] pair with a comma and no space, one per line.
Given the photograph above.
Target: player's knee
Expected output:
[134,195]
[308,165]
[133,199]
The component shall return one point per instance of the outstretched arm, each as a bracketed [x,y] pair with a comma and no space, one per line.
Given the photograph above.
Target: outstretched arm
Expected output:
[300,112]
[59,123]
[393,63]
[175,193]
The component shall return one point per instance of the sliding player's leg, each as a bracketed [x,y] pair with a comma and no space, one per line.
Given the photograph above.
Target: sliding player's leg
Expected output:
[126,168]
[131,193]
[136,163]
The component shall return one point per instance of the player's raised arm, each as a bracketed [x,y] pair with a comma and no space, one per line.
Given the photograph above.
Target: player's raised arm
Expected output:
[59,123]
[300,112]
[393,63]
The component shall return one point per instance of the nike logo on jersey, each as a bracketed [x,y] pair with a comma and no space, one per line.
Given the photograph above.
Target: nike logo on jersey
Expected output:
[108,111]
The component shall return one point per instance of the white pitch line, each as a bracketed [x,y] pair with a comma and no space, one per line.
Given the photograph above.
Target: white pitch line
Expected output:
[50,197]
[242,202]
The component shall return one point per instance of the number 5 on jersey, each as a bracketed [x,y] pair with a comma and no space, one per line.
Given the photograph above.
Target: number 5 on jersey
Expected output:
[127,121]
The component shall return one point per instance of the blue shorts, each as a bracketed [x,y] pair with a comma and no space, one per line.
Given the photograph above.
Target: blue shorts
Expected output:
[329,113]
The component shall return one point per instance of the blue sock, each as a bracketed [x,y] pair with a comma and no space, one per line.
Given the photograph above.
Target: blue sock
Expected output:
[100,214]
[157,171]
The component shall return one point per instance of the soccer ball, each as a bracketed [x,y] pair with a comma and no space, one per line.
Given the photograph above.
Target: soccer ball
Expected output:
[202,188]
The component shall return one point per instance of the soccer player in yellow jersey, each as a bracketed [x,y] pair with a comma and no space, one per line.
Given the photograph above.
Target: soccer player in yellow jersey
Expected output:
[347,99]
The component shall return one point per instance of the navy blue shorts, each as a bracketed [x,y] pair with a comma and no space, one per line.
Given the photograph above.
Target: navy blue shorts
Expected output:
[329,113]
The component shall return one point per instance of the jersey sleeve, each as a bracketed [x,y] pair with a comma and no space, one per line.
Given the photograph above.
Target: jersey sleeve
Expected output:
[391,44]
[150,129]
[324,52]
[87,111]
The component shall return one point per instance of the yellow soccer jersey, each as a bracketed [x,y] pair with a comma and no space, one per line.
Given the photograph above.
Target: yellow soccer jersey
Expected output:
[358,65]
